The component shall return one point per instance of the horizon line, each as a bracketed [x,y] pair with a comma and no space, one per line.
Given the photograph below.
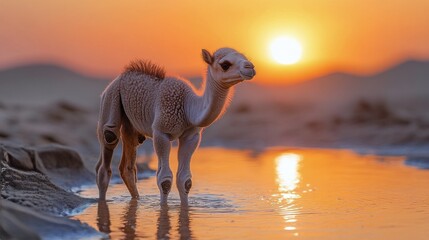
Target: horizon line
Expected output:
[84,73]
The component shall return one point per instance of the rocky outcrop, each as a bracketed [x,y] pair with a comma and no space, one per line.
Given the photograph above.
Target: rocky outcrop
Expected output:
[18,222]
[34,184]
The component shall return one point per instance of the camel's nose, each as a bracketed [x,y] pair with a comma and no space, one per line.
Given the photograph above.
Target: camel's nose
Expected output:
[248,64]
[248,70]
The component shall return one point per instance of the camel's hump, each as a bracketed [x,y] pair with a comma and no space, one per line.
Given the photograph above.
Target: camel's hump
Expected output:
[146,67]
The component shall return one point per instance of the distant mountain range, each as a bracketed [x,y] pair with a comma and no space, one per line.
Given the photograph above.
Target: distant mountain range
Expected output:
[44,83]
[408,80]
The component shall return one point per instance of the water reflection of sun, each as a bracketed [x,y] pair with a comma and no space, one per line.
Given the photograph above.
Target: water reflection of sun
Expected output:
[287,175]
[287,165]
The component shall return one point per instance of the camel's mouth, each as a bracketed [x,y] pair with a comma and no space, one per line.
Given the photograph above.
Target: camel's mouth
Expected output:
[248,75]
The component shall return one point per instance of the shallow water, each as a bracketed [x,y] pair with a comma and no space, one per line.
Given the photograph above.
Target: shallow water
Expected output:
[276,194]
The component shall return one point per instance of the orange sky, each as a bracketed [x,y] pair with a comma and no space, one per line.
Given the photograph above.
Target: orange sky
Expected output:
[100,37]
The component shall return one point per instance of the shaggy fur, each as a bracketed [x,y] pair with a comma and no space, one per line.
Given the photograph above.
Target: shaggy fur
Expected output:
[145,67]
[137,105]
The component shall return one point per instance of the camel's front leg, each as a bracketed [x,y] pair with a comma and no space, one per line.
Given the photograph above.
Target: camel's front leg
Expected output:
[164,176]
[187,146]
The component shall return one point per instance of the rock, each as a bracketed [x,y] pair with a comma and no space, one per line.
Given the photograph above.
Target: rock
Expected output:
[63,166]
[33,189]
[34,184]
[29,177]
[18,157]
[18,222]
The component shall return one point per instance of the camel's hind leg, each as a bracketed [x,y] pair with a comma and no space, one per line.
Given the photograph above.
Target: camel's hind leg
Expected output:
[108,129]
[130,140]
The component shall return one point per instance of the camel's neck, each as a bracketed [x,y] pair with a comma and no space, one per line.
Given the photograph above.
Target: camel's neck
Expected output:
[205,109]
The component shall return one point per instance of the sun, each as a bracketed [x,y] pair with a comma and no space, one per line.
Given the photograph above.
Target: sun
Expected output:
[286,50]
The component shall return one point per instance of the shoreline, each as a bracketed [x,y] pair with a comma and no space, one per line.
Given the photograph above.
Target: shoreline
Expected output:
[39,192]
[16,165]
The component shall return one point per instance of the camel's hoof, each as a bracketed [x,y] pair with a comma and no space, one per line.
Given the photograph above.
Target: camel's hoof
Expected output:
[166,186]
[188,185]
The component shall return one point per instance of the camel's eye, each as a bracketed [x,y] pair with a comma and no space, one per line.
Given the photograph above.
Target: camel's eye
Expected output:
[225,65]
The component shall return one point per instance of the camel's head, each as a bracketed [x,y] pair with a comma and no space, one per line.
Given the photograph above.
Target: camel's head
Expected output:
[228,67]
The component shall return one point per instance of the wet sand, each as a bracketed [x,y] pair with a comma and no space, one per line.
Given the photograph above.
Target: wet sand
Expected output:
[276,194]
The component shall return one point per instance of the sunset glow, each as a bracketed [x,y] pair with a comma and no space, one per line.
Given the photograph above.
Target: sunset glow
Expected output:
[286,50]
[100,38]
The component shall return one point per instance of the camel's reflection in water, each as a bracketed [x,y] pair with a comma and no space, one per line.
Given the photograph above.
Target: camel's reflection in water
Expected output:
[129,221]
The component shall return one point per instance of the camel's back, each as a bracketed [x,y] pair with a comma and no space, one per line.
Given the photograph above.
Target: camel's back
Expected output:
[151,99]
[138,94]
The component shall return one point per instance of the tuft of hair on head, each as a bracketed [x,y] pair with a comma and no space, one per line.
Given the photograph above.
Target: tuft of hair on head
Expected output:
[145,67]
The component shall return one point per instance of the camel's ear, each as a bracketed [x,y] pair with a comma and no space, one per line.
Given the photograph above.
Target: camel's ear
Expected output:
[208,58]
